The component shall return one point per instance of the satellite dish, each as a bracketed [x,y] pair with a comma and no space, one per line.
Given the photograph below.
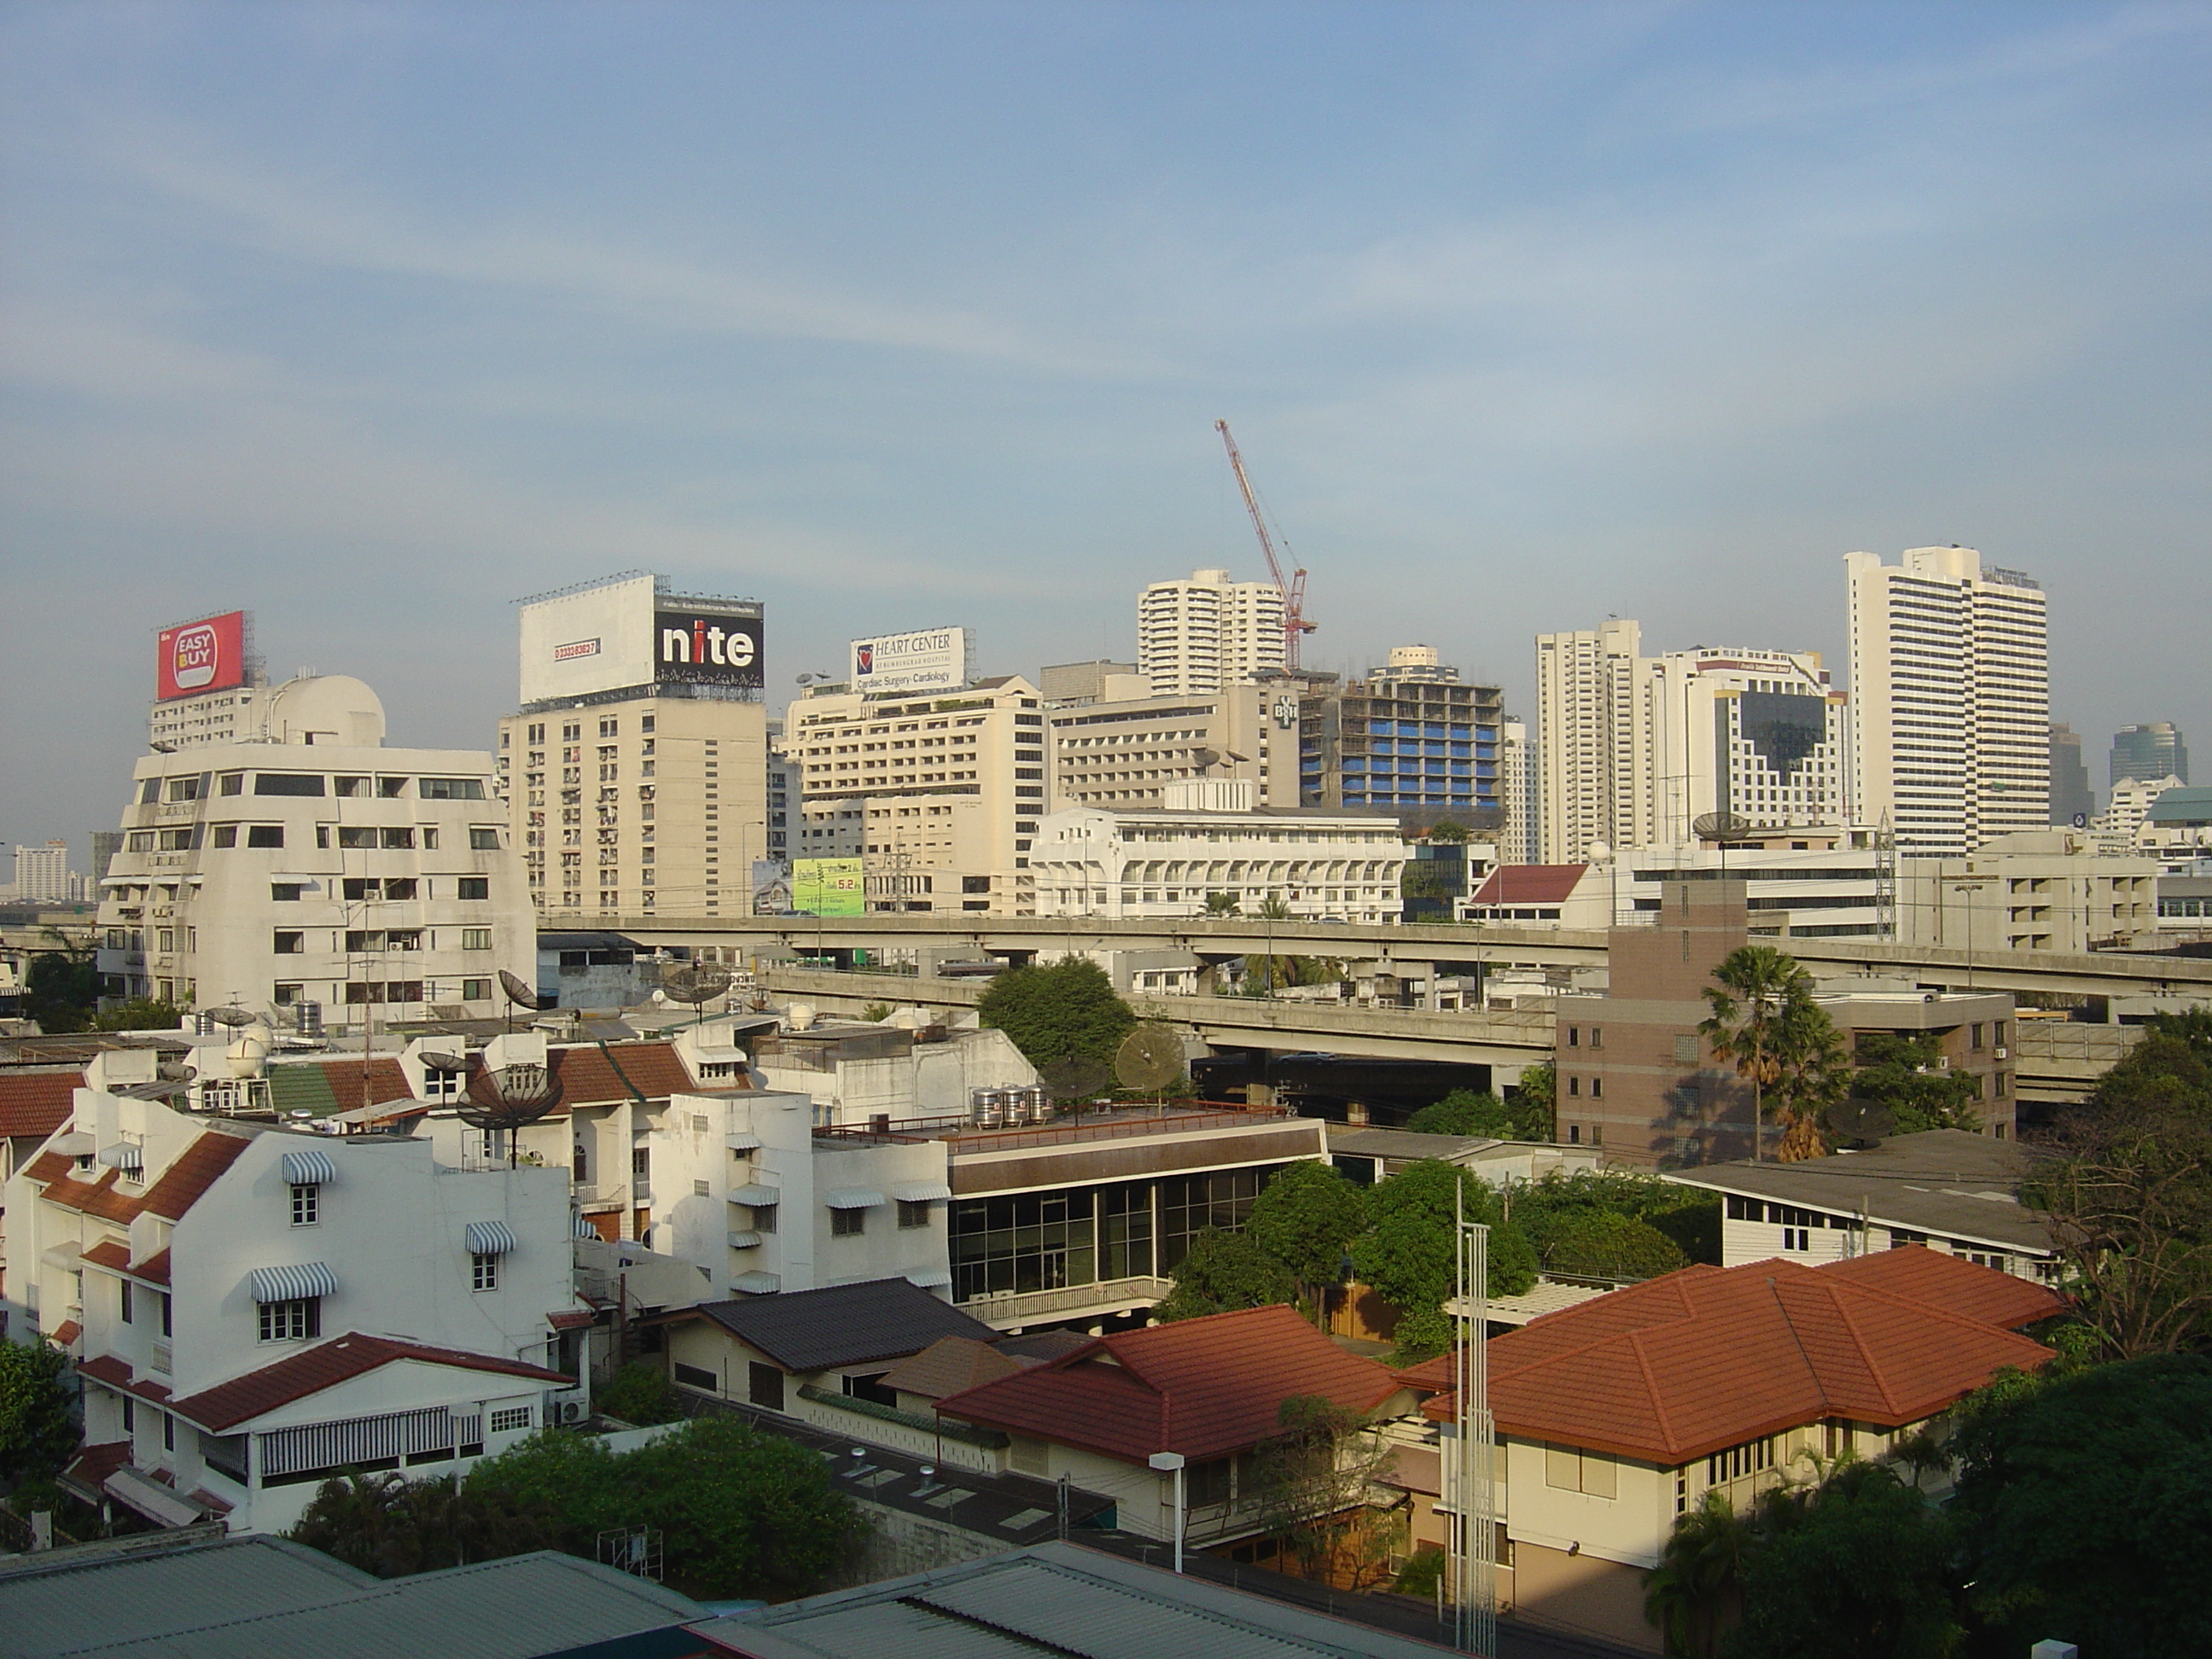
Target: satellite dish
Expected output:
[1149,1057]
[1204,759]
[507,1099]
[697,983]
[1720,826]
[1075,1077]
[518,995]
[449,1065]
[230,1018]
[1859,1122]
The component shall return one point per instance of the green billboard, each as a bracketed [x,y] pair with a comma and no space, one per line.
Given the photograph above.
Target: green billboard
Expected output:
[827,887]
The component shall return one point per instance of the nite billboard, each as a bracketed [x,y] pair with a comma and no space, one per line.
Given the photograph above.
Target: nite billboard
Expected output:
[206,655]
[931,660]
[626,633]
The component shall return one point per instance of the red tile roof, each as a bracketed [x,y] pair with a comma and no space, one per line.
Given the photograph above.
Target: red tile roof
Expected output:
[96,1463]
[586,1077]
[1687,1365]
[109,1255]
[106,1368]
[1952,1282]
[571,1319]
[1201,1387]
[66,1333]
[1529,884]
[326,1364]
[191,1174]
[97,1197]
[155,1268]
[38,1103]
[47,1166]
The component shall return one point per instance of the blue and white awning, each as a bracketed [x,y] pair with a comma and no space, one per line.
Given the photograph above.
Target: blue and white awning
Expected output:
[585,1230]
[852,1198]
[125,1155]
[757,1195]
[758,1283]
[921,1192]
[489,1238]
[929,1279]
[310,1168]
[292,1284]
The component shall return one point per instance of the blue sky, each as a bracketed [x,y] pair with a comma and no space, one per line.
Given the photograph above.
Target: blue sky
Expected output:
[374,317]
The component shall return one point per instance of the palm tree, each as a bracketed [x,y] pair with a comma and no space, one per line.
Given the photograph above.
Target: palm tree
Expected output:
[1695,1591]
[1753,1005]
[1812,1072]
[1221,904]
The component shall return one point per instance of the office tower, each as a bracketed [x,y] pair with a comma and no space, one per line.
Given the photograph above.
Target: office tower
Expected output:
[1517,834]
[2149,752]
[315,864]
[42,873]
[1951,698]
[1202,635]
[636,770]
[1123,753]
[106,844]
[1409,739]
[2072,800]
[1634,750]
[939,794]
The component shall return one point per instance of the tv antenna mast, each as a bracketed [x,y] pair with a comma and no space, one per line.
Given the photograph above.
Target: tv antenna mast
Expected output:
[1294,590]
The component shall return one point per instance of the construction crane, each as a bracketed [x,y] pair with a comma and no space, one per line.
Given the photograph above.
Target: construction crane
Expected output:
[1293,590]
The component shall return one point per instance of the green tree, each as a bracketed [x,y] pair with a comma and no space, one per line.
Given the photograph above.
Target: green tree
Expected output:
[1223,904]
[1897,1070]
[1532,1100]
[1446,833]
[1764,1021]
[60,990]
[876,1012]
[1224,1271]
[37,1432]
[1690,1220]
[1408,1253]
[1696,1592]
[1603,1245]
[1306,1217]
[139,1014]
[2085,1507]
[1464,1112]
[1860,1566]
[392,1527]
[1067,1009]
[640,1393]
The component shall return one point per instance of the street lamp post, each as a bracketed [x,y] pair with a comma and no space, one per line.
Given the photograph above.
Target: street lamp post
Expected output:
[1167,1462]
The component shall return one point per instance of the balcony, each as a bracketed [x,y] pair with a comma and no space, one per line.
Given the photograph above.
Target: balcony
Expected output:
[158,1358]
[1071,1302]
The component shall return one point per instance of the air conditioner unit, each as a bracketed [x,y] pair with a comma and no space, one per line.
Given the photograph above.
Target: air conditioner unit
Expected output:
[572,1411]
[2000,1054]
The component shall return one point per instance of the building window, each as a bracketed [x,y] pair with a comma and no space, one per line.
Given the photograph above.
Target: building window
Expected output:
[306,1204]
[130,1415]
[764,1218]
[292,1321]
[869,1387]
[508,1418]
[123,1310]
[475,887]
[289,944]
[476,938]
[1750,1458]
[695,1376]
[1574,1086]
[764,1386]
[166,1306]
[912,1212]
[483,841]
[264,834]
[476,990]
[169,1433]
[226,835]
[847,1223]
[483,1273]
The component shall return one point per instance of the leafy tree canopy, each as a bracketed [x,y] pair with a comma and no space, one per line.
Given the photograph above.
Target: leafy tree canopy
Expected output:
[2086,1506]
[60,990]
[390,1525]
[1222,1271]
[1602,1244]
[1408,1253]
[640,1393]
[1464,1112]
[1534,1093]
[139,1014]
[37,1432]
[1689,1219]
[1051,1013]
[1898,1071]
[1306,1217]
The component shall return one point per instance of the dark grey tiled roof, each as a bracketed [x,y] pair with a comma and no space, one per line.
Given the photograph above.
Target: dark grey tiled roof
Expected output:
[844,1324]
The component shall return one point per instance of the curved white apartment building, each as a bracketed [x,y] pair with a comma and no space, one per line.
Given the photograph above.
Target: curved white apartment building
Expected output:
[1202,635]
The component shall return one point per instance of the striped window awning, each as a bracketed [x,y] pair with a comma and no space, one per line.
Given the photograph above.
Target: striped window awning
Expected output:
[742,1140]
[584,1228]
[744,1239]
[756,1196]
[310,1168]
[852,1198]
[921,1192]
[929,1279]
[292,1284]
[758,1283]
[489,1238]
[125,1155]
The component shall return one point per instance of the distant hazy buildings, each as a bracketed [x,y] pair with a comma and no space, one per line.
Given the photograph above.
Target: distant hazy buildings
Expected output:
[2149,752]
[2131,801]
[1635,749]
[42,874]
[2072,800]
[1951,698]
[1208,632]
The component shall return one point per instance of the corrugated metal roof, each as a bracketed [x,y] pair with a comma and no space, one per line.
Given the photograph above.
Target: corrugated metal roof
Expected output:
[843,1324]
[82,1603]
[523,1606]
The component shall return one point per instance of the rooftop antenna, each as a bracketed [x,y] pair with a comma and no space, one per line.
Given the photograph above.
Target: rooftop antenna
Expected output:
[697,983]
[506,1101]
[518,995]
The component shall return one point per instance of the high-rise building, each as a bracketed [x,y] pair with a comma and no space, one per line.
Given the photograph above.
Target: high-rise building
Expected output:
[1409,739]
[939,795]
[1518,836]
[636,770]
[1635,749]
[42,873]
[2072,800]
[1123,754]
[1950,697]
[106,844]
[315,864]
[1202,635]
[2149,752]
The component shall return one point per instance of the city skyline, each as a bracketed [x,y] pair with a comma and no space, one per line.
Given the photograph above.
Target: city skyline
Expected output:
[951,348]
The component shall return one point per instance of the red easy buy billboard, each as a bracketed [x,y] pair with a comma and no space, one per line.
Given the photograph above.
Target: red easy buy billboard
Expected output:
[208,655]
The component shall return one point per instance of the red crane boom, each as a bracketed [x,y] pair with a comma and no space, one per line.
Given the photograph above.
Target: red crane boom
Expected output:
[1293,590]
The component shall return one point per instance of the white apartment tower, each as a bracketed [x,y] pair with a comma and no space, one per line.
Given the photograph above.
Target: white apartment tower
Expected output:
[1642,747]
[1951,695]
[1198,635]
[1517,839]
[42,873]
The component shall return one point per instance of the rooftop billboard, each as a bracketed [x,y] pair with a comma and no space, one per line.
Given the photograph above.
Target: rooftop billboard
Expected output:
[625,633]
[206,655]
[929,659]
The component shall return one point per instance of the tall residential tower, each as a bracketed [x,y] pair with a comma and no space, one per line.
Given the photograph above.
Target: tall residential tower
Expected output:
[1198,635]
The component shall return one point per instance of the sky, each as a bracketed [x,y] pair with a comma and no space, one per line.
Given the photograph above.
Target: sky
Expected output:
[372,319]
